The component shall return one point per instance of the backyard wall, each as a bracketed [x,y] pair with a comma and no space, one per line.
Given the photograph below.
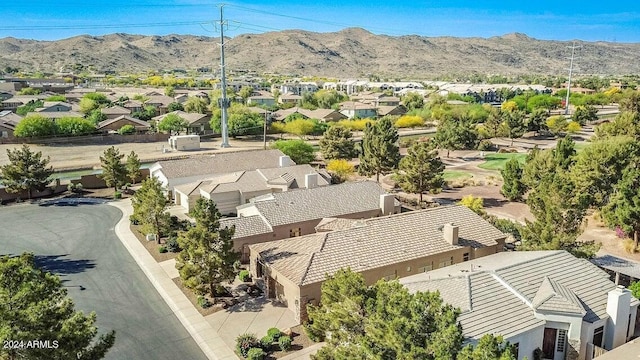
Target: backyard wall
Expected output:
[90,139]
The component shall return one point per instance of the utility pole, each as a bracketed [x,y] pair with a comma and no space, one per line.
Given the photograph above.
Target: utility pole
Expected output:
[223,102]
[566,102]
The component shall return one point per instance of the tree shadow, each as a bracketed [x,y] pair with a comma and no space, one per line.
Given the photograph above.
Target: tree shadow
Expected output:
[60,265]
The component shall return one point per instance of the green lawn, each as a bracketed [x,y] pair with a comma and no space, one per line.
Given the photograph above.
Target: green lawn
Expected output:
[456,174]
[497,161]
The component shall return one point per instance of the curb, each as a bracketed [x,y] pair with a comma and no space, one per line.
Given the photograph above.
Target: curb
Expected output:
[196,325]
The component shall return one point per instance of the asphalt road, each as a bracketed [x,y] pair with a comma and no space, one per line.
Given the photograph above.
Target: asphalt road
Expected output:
[78,243]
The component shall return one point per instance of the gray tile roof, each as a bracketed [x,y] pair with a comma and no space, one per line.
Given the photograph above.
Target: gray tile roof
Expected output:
[506,288]
[220,163]
[383,241]
[247,225]
[188,117]
[327,201]
[138,122]
[623,266]
[115,110]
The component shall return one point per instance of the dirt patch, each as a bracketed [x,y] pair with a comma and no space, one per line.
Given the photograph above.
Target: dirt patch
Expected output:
[152,246]
[610,242]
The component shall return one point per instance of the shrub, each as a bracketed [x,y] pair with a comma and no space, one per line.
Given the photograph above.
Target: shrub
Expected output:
[628,246]
[162,249]
[74,126]
[117,195]
[274,333]
[266,342]
[172,245]
[244,342]
[284,343]
[405,142]
[255,354]
[537,354]
[244,276]
[127,130]
[486,145]
[134,220]
[203,302]
[409,121]
[314,334]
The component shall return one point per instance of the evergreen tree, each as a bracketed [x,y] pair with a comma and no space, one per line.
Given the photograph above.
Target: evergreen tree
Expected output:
[623,209]
[537,120]
[489,347]
[133,167]
[585,114]
[513,124]
[512,188]
[26,171]
[456,133]
[34,305]
[380,152]
[493,123]
[421,170]
[149,205]
[114,171]
[208,257]
[564,153]
[337,143]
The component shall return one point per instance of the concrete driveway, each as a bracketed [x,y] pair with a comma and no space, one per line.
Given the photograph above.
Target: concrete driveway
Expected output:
[79,244]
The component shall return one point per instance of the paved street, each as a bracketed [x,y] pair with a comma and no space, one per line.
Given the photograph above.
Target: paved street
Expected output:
[78,243]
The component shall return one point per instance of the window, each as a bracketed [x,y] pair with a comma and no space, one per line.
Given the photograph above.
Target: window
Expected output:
[5,134]
[408,268]
[598,334]
[295,232]
[562,339]
[446,262]
[516,350]
[427,267]
[465,257]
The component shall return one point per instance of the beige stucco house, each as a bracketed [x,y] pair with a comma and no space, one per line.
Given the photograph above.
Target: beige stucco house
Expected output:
[387,247]
[551,300]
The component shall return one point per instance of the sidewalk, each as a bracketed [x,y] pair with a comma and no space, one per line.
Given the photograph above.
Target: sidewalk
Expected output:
[201,331]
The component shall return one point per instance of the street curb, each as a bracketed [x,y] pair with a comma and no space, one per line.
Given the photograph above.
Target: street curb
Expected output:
[196,325]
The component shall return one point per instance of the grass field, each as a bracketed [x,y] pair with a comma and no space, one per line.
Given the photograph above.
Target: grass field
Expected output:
[497,161]
[456,174]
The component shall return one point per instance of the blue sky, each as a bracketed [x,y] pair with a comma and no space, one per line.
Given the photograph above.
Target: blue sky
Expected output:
[615,21]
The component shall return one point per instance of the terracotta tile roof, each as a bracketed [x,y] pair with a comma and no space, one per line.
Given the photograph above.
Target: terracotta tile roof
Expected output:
[247,225]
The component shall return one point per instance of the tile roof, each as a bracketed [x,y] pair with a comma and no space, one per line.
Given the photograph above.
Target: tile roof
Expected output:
[331,224]
[138,122]
[115,110]
[378,242]
[247,225]
[327,201]
[220,163]
[623,266]
[506,288]
[189,117]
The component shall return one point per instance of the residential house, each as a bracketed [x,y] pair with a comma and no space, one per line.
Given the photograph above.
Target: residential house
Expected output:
[289,98]
[628,351]
[354,109]
[115,111]
[172,173]
[386,247]
[198,123]
[261,99]
[132,105]
[15,102]
[237,188]
[8,122]
[5,95]
[551,300]
[397,110]
[298,88]
[298,212]
[160,102]
[324,115]
[117,123]
[54,106]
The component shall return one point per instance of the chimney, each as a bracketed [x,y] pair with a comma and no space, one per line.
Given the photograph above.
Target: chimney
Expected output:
[618,309]
[450,233]
[387,204]
[284,161]
[311,181]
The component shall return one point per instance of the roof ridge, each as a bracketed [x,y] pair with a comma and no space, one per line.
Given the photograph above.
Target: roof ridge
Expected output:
[554,253]
[510,288]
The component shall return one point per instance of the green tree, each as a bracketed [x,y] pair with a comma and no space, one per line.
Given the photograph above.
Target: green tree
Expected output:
[383,321]
[245,92]
[146,114]
[489,347]
[172,123]
[88,105]
[133,167]
[337,143]
[585,114]
[340,170]
[512,188]
[96,116]
[29,91]
[195,104]
[207,257]
[536,121]
[149,207]
[635,289]
[379,153]
[625,123]
[170,91]
[114,171]
[513,124]
[241,121]
[493,124]
[74,126]
[413,100]
[127,129]
[300,127]
[175,106]
[456,133]
[557,124]
[26,171]
[34,305]
[421,171]
[35,125]
[298,150]
[623,208]
[31,106]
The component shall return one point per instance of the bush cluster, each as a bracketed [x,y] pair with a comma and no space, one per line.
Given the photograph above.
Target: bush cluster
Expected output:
[244,276]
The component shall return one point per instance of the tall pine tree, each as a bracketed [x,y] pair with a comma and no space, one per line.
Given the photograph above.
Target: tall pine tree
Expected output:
[337,143]
[512,187]
[421,170]
[114,171]
[623,209]
[26,171]
[380,152]
[149,205]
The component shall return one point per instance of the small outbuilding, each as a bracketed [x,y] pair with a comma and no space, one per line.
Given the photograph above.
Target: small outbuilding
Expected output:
[184,142]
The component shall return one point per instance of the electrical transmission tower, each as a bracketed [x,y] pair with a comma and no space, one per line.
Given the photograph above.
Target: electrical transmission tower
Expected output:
[223,102]
[566,102]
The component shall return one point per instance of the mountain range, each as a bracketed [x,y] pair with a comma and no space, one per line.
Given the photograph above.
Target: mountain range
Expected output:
[352,52]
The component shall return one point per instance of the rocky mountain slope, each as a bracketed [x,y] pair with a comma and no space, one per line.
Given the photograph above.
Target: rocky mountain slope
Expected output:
[351,52]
